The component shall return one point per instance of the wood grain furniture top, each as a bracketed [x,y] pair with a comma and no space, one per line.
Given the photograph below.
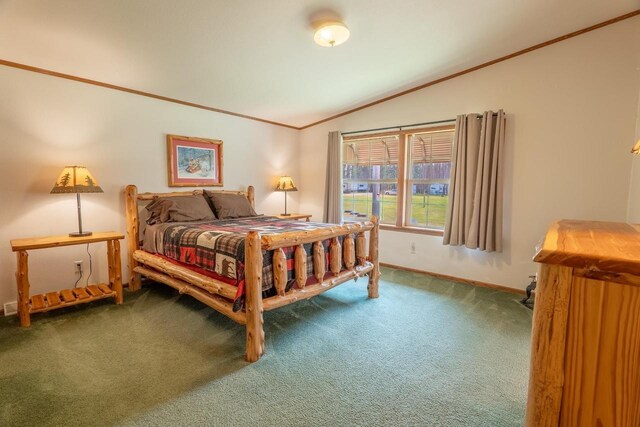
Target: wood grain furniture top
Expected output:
[294,216]
[66,240]
[596,245]
[585,342]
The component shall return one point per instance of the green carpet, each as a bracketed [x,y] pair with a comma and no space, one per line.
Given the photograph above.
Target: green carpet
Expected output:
[428,352]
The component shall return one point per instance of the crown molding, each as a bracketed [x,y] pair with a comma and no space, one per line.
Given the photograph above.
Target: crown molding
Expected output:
[53,73]
[478,67]
[137,92]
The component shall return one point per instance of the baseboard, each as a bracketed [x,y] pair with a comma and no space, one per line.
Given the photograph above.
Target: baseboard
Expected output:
[458,279]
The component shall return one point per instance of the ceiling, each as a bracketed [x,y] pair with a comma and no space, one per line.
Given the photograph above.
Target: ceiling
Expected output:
[257,57]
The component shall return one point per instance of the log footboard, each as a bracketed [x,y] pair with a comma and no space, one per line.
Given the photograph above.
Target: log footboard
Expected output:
[353,254]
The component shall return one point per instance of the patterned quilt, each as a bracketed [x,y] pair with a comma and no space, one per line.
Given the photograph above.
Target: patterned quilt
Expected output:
[218,247]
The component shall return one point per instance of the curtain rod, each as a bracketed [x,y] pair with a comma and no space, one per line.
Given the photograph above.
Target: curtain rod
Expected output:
[406,126]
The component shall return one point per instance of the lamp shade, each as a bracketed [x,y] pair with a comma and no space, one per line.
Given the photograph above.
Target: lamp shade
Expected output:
[76,179]
[286,184]
[636,148]
[331,34]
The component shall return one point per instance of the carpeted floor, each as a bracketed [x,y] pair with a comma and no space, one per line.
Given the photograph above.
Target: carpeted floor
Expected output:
[428,352]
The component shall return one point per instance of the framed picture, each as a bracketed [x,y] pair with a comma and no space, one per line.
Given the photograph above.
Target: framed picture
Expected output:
[194,162]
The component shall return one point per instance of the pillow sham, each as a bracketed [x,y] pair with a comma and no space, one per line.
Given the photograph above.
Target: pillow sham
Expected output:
[229,205]
[179,209]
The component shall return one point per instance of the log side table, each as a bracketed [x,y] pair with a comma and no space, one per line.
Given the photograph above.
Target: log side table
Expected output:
[294,216]
[53,300]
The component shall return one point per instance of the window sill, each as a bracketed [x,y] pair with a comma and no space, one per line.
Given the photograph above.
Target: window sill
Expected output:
[415,230]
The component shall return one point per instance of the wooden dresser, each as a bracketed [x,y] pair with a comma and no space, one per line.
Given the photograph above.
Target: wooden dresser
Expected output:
[585,348]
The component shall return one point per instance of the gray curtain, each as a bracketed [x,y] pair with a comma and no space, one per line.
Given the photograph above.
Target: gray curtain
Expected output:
[474,213]
[333,187]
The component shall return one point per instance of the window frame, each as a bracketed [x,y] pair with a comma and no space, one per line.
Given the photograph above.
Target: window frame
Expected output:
[370,181]
[402,203]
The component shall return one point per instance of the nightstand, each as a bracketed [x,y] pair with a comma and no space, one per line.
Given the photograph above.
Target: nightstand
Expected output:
[53,300]
[294,216]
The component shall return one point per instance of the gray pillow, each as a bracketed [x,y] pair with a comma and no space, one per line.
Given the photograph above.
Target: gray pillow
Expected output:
[179,209]
[229,205]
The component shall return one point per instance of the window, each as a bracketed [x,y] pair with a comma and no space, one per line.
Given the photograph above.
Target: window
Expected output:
[403,177]
[370,177]
[428,178]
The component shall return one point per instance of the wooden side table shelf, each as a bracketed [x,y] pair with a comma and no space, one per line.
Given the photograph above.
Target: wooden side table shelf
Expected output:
[294,216]
[53,300]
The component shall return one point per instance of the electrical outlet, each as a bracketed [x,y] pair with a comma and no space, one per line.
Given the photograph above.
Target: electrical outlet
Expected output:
[78,265]
[10,308]
[413,247]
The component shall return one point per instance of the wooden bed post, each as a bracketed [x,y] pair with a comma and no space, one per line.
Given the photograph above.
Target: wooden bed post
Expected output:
[131,203]
[374,276]
[253,296]
[251,195]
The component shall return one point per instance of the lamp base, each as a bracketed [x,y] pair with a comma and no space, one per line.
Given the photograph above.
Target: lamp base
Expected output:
[285,214]
[80,234]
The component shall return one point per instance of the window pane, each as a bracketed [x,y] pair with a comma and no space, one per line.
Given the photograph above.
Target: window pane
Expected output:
[361,201]
[383,158]
[368,166]
[356,200]
[429,205]
[431,155]
[388,197]
[429,176]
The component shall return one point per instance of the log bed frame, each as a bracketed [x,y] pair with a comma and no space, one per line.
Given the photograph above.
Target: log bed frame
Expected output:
[219,295]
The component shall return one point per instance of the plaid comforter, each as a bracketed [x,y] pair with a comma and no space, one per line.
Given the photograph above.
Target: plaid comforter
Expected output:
[218,246]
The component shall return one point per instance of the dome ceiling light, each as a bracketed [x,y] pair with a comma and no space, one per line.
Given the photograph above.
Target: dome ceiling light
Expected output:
[330,34]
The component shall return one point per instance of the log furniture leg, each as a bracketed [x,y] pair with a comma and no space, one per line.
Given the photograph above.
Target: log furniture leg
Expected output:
[131,200]
[361,248]
[374,276]
[253,296]
[117,271]
[22,278]
[548,336]
[110,263]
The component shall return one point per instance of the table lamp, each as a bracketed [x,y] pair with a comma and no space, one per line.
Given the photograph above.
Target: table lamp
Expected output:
[286,184]
[76,179]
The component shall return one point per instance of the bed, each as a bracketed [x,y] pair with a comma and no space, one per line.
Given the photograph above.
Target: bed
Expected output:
[268,262]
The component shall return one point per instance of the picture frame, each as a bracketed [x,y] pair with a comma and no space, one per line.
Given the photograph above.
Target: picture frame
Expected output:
[194,162]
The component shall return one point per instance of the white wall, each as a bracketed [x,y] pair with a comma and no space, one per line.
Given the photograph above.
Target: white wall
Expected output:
[571,109]
[572,119]
[46,123]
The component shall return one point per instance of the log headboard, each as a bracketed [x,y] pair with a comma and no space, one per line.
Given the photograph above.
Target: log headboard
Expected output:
[132,200]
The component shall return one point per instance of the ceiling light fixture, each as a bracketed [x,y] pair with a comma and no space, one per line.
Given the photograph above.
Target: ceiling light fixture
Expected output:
[331,34]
